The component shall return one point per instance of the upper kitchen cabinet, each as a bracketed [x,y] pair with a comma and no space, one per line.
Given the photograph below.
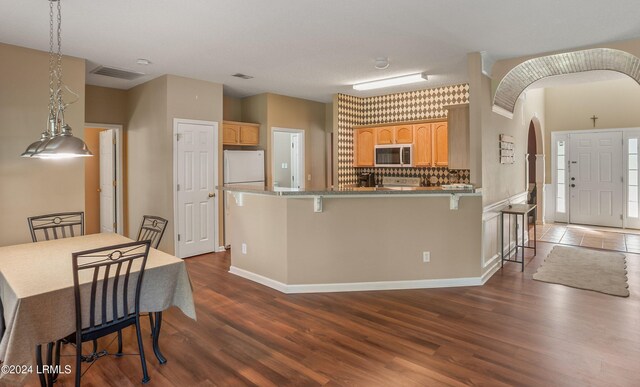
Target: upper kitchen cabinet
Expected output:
[399,134]
[364,140]
[440,144]
[403,134]
[422,146]
[385,135]
[240,133]
[458,120]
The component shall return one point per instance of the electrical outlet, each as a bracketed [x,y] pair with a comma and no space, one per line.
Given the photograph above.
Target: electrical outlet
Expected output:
[426,256]
[309,177]
[244,248]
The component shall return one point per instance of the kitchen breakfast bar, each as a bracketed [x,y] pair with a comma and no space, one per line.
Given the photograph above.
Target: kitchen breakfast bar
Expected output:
[359,238]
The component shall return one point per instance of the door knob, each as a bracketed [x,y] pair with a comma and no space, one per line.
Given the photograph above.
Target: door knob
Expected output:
[573,178]
[573,185]
[212,194]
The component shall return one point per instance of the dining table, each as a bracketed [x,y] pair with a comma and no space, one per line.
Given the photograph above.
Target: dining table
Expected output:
[37,295]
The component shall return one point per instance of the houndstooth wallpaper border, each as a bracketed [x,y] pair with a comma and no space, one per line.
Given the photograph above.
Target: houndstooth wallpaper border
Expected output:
[409,106]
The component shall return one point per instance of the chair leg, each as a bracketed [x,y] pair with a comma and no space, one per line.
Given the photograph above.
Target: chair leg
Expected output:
[145,374]
[95,347]
[119,354]
[49,374]
[78,362]
[151,322]
[43,381]
[56,362]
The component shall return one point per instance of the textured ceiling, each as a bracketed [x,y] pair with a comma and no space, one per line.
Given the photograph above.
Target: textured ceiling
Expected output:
[309,48]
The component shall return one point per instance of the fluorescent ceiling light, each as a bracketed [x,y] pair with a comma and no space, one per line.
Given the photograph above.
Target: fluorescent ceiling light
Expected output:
[403,80]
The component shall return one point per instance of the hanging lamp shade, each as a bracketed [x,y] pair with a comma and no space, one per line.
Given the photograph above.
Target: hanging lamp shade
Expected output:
[57,142]
[33,147]
[62,146]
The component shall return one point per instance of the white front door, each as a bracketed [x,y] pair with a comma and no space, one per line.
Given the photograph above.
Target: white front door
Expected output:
[107,182]
[595,178]
[196,172]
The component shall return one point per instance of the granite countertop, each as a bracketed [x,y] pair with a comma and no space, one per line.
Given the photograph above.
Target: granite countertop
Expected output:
[349,190]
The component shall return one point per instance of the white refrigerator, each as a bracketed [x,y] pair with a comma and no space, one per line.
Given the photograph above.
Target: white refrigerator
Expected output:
[241,168]
[244,167]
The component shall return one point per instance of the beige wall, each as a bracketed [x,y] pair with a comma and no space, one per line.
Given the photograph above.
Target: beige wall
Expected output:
[570,107]
[287,241]
[254,109]
[273,110]
[92,181]
[152,107]
[150,155]
[104,105]
[32,186]
[231,108]
[195,100]
[500,181]
[296,113]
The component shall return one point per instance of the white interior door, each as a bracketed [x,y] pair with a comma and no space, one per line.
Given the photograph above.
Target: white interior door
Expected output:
[107,181]
[296,181]
[196,172]
[595,178]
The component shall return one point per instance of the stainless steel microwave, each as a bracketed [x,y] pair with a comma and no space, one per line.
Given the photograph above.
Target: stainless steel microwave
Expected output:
[394,155]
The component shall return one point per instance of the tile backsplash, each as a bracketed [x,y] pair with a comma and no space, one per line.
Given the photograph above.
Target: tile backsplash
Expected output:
[442,174]
[409,106]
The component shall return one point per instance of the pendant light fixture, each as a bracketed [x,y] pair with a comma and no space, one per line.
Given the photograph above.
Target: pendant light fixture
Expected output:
[57,141]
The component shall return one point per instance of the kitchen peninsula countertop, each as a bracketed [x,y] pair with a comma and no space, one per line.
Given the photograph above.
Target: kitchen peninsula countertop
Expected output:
[345,191]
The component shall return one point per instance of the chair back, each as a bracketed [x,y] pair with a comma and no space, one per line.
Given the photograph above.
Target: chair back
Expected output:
[108,296]
[152,228]
[56,226]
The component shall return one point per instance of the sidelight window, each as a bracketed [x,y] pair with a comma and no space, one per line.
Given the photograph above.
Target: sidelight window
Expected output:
[561,166]
[632,180]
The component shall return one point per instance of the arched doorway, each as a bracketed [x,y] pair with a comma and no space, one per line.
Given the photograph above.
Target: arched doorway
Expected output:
[523,75]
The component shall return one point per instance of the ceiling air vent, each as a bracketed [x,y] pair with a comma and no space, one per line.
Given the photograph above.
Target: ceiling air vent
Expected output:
[116,73]
[243,76]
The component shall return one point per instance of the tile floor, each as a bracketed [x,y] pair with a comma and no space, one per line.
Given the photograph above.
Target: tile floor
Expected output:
[595,237]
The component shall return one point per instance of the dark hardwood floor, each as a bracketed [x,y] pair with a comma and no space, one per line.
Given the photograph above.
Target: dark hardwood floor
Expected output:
[511,331]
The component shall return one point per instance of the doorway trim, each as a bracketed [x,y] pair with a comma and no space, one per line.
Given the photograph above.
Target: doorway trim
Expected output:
[632,132]
[301,154]
[215,182]
[118,130]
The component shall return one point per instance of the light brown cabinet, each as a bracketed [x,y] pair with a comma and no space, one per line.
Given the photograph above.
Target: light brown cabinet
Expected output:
[400,134]
[440,144]
[422,146]
[458,127]
[403,134]
[385,135]
[364,140]
[240,133]
[429,139]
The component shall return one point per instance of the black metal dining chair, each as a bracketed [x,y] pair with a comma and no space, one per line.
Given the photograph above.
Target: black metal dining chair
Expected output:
[113,298]
[152,229]
[56,226]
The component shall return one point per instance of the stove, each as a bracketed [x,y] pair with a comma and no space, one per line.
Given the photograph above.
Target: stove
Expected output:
[388,181]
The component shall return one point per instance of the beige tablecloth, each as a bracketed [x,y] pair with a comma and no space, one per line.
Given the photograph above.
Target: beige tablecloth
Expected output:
[36,289]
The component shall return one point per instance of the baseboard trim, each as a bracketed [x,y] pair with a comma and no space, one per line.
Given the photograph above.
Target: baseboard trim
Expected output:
[221,249]
[489,273]
[357,286]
